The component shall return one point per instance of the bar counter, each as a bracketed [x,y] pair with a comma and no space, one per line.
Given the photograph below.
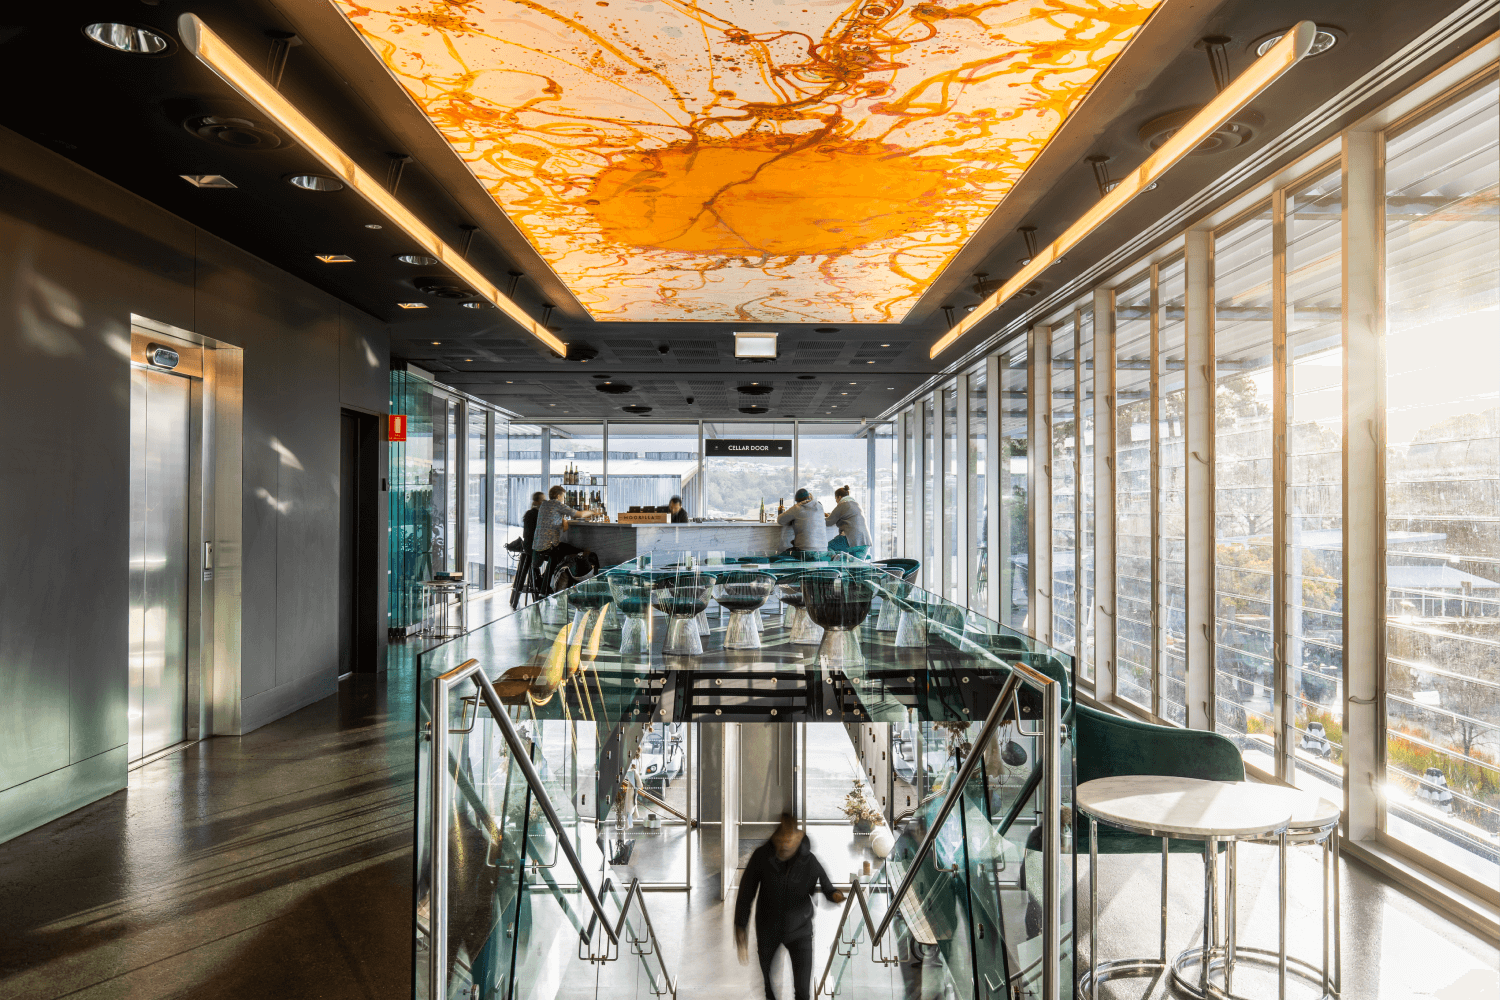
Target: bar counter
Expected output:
[616,543]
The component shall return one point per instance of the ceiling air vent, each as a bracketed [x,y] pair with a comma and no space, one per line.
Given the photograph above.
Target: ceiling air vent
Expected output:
[443,288]
[582,352]
[614,388]
[234,132]
[755,411]
[1236,132]
[637,409]
[754,390]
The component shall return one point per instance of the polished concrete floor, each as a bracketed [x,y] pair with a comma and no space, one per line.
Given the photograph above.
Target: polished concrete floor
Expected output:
[275,865]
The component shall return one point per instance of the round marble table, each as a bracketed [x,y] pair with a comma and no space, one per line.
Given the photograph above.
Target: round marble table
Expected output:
[1169,807]
[1314,820]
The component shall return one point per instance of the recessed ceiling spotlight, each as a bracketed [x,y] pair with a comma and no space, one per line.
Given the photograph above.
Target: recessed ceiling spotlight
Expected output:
[373,225]
[1324,38]
[468,359]
[412,305]
[130,38]
[207,180]
[854,383]
[885,345]
[869,362]
[476,305]
[890,388]
[843,394]
[436,343]
[416,258]
[334,258]
[315,182]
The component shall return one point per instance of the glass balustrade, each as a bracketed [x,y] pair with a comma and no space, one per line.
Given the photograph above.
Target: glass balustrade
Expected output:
[591,686]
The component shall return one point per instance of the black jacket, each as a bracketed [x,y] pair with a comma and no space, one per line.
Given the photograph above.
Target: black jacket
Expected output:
[785,911]
[528,528]
[680,517]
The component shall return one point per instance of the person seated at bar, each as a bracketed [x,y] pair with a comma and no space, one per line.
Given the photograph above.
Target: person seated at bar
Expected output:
[679,512]
[854,534]
[552,519]
[805,518]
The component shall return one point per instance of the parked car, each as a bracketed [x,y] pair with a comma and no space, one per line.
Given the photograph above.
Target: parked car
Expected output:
[1432,788]
[663,753]
[1315,740]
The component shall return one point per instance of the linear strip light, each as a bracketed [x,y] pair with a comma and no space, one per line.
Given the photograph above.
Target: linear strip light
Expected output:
[1241,91]
[214,53]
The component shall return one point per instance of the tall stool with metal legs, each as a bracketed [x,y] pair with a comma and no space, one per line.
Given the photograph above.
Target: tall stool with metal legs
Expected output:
[1172,808]
[839,601]
[632,599]
[1315,820]
[800,629]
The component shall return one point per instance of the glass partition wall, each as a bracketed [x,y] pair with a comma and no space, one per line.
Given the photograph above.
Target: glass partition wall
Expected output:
[1237,407]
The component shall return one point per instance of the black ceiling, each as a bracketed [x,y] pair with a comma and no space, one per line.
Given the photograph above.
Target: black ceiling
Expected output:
[129,118]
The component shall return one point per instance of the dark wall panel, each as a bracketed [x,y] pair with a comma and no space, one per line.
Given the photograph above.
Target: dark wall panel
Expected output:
[77,257]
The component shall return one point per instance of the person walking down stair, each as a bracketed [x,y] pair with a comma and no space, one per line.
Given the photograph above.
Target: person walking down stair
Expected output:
[784,874]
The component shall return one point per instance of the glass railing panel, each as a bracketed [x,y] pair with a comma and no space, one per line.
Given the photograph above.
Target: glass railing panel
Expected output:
[585,672]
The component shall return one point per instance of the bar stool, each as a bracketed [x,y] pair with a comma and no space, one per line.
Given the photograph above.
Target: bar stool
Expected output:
[683,597]
[800,628]
[911,621]
[1315,820]
[1172,808]
[839,601]
[632,594]
[743,592]
[904,571]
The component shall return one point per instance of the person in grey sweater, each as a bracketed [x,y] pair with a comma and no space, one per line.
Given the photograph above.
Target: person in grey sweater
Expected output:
[805,518]
[854,533]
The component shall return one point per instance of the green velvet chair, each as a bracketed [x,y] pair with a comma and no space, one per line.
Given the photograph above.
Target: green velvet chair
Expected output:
[1108,745]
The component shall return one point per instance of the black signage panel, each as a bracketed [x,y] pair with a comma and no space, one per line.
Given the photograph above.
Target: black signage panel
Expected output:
[746,448]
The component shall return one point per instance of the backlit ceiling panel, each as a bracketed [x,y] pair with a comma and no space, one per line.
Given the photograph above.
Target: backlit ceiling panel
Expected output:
[747,160]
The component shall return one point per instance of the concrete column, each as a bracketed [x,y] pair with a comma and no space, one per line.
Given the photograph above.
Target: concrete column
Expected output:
[1199,533]
[1104,493]
[1039,481]
[1364,489]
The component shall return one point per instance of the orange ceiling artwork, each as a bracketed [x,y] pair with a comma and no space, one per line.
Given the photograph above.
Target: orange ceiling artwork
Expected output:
[789,161]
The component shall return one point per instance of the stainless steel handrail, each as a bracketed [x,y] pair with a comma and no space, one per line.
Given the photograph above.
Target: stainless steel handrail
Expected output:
[442,685]
[1051,736]
[634,894]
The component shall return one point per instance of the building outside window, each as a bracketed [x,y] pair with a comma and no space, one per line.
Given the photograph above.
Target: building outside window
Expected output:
[1442,485]
[735,487]
[1135,641]
[649,464]
[1011,465]
[1314,524]
[477,497]
[1064,479]
[1244,515]
[977,559]
[1171,492]
[952,500]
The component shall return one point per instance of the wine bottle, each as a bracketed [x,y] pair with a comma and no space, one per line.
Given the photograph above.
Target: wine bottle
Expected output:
[780,506]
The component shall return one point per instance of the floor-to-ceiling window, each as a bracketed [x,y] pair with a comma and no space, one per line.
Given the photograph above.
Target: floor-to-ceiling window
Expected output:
[501,558]
[524,451]
[885,501]
[649,464]
[1064,427]
[1244,636]
[830,455]
[1442,484]
[1134,638]
[446,473]
[1011,464]
[477,497]
[1313,566]
[976,563]
[1171,492]
[736,486]
[931,577]
[578,460]
[1084,472]
[952,500]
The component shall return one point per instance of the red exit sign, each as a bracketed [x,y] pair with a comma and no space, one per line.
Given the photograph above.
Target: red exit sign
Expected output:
[396,427]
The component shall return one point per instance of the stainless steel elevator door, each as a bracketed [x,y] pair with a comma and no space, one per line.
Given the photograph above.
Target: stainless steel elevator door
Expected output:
[160,411]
